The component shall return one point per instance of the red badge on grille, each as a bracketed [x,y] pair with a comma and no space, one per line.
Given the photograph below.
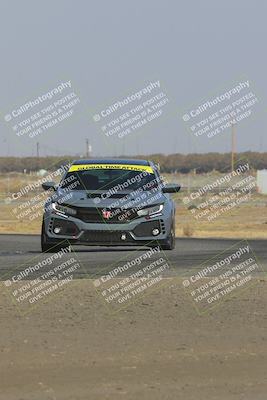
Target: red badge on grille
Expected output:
[106,214]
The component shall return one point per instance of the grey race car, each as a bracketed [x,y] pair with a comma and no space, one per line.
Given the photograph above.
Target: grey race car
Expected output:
[111,202]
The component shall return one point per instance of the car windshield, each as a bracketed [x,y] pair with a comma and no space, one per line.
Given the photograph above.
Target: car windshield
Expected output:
[107,179]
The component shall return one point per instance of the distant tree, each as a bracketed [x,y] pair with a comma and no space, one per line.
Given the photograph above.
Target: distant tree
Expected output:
[182,163]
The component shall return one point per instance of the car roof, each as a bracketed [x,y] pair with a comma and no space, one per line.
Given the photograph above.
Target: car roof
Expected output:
[111,161]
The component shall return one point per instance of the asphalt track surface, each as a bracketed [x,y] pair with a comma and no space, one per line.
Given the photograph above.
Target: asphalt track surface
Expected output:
[16,251]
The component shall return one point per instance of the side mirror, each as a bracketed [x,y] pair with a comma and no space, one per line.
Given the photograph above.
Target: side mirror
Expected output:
[49,185]
[171,188]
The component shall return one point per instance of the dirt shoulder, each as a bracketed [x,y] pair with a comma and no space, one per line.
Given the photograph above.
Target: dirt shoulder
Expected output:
[158,348]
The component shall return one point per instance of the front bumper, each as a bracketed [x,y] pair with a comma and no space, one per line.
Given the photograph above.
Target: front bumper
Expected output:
[136,232]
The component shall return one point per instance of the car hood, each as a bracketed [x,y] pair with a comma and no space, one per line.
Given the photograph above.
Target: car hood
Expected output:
[123,199]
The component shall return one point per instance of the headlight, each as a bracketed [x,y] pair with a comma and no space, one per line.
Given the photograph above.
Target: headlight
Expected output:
[63,209]
[150,210]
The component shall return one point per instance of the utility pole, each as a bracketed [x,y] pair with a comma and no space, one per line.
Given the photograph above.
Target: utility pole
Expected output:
[87,148]
[38,155]
[123,146]
[233,147]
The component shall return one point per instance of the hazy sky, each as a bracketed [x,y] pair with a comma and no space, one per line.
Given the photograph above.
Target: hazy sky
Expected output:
[113,48]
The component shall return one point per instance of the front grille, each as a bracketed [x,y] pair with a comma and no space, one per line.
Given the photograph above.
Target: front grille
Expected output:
[114,237]
[96,215]
[108,237]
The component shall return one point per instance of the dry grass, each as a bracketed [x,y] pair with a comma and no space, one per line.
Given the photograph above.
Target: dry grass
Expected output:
[188,230]
[10,224]
[243,222]
[246,221]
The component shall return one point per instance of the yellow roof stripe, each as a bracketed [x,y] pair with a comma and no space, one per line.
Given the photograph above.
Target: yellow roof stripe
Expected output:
[126,167]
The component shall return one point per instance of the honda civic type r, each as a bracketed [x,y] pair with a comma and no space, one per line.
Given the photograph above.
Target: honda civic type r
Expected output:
[109,203]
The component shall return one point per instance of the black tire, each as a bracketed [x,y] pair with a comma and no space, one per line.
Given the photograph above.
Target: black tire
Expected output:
[49,246]
[169,243]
